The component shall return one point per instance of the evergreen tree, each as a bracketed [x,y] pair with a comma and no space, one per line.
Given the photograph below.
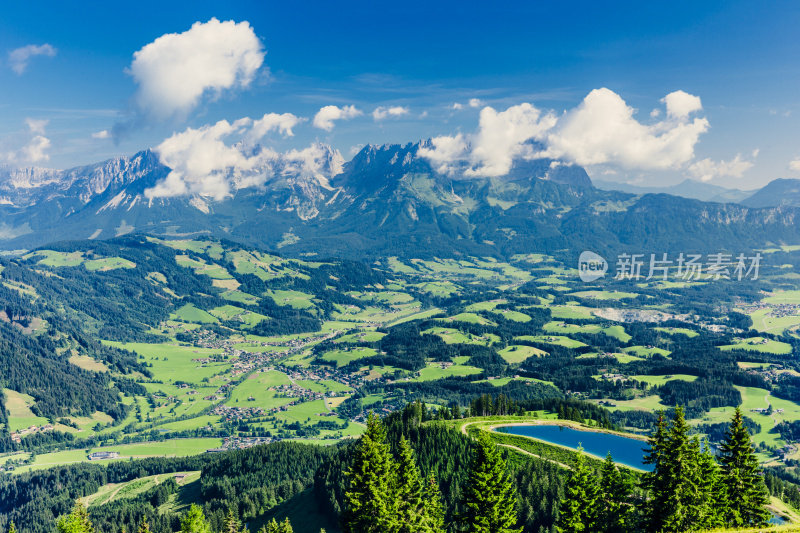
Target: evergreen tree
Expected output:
[490,496]
[370,505]
[577,511]
[712,501]
[12,528]
[285,527]
[745,490]
[654,482]
[434,508]
[231,523]
[271,527]
[144,528]
[194,521]
[76,522]
[409,492]
[613,504]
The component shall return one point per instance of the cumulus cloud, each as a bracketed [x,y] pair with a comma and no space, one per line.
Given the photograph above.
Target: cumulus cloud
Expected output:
[326,116]
[103,134]
[273,121]
[457,106]
[19,58]
[381,112]
[795,165]
[443,151]
[681,104]
[474,102]
[216,159]
[601,130]
[34,151]
[177,70]
[503,136]
[708,169]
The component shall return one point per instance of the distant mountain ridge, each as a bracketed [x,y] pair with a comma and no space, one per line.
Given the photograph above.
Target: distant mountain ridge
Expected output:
[688,188]
[386,200]
[780,192]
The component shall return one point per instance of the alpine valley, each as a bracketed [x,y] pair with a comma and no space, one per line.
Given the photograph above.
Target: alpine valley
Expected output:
[204,363]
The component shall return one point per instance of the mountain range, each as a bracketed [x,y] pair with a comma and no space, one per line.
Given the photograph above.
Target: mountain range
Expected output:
[390,199]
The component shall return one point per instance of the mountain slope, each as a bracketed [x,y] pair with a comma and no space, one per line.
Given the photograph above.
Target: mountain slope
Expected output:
[386,200]
[780,192]
[687,189]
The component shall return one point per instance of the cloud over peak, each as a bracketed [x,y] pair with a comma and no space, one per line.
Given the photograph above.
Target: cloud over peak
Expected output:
[177,70]
[217,159]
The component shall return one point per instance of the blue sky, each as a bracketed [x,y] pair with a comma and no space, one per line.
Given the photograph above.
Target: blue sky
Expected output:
[739,58]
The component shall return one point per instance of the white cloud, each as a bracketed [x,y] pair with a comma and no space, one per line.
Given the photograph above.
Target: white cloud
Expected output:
[34,151]
[707,169]
[103,134]
[474,102]
[20,57]
[503,136]
[603,130]
[443,151]
[381,112]
[274,121]
[36,126]
[795,165]
[325,117]
[176,70]
[214,160]
[457,106]
[681,104]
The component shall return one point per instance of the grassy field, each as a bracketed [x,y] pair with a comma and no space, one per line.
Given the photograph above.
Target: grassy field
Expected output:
[112,492]
[171,362]
[472,318]
[345,356]
[87,363]
[646,351]
[434,371]
[558,340]
[190,313]
[20,416]
[657,381]
[170,448]
[364,336]
[759,344]
[518,353]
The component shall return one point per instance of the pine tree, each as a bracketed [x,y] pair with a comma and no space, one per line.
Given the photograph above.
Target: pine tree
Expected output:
[271,527]
[409,492]
[654,482]
[231,523]
[285,527]
[613,507]
[12,528]
[194,521]
[434,508]
[577,511]
[490,496]
[682,512]
[712,500]
[745,490]
[370,504]
[144,528]
[76,522]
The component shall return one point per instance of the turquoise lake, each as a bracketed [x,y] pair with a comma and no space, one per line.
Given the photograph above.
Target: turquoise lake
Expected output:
[624,450]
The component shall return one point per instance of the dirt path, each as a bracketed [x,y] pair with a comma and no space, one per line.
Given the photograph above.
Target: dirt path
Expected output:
[520,450]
